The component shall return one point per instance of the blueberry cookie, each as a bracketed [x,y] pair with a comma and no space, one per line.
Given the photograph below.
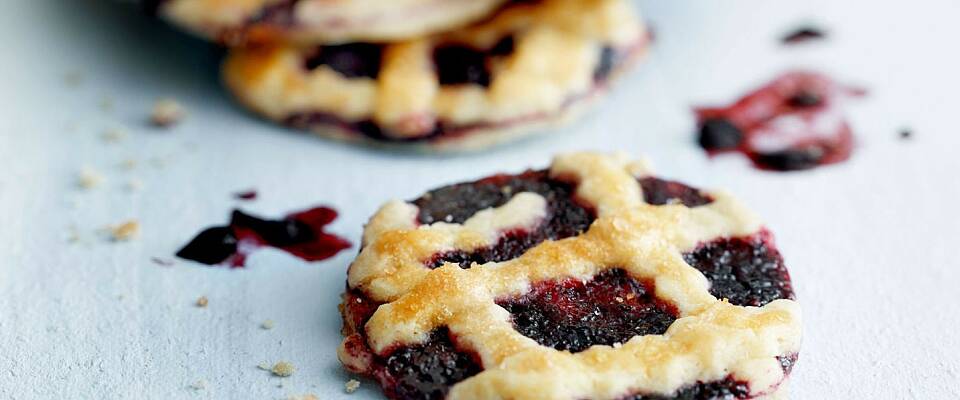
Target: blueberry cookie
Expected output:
[533,65]
[319,21]
[591,280]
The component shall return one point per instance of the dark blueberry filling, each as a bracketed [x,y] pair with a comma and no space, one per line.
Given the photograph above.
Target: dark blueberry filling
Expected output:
[659,192]
[457,203]
[427,371]
[574,315]
[727,389]
[803,34]
[461,65]
[791,159]
[608,60]
[748,271]
[353,60]
[719,134]
[504,47]
[301,234]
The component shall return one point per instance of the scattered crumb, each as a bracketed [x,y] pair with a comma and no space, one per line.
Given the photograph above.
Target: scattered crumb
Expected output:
[125,231]
[114,135]
[128,164]
[106,104]
[159,162]
[73,78]
[166,112]
[308,396]
[803,34]
[283,369]
[619,299]
[161,261]
[246,195]
[202,301]
[351,386]
[268,324]
[199,385]
[89,178]
[906,134]
[134,185]
[73,234]
[264,366]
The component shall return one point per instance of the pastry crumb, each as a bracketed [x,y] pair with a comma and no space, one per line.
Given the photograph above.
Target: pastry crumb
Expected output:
[89,178]
[128,164]
[114,135]
[308,396]
[166,112]
[125,231]
[268,324]
[161,261]
[351,386]
[199,385]
[264,366]
[283,369]
[202,301]
[134,185]
[73,78]
[106,104]
[73,234]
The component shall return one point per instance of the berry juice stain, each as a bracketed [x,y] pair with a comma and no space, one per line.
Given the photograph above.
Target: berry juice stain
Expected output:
[803,34]
[300,234]
[793,123]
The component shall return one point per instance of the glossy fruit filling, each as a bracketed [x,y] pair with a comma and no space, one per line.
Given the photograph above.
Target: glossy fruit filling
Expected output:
[573,315]
[566,217]
[747,271]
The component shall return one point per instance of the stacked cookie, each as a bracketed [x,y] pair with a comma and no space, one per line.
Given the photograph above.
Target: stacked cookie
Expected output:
[434,74]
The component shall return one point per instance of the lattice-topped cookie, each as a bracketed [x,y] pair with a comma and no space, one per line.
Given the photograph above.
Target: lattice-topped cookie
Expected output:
[591,280]
[319,21]
[532,65]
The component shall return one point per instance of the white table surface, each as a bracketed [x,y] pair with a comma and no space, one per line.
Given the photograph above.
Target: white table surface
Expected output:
[870,242]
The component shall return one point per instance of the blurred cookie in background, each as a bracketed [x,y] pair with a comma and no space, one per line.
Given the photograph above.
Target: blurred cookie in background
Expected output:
[235,22]
[532,66]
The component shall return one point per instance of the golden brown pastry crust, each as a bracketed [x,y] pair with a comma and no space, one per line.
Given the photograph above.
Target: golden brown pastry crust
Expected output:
[545,81]
[710,340]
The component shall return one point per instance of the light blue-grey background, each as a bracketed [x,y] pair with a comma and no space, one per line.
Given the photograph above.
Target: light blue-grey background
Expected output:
[871,243]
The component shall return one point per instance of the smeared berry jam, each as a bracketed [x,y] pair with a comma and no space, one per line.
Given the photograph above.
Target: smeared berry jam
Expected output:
[247,195]
[428,370]
[803,34]
[748,271]
[301,234]
[793,123]
[457,203]
[657,191]
[353,60]
[726,389]
[574,315]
